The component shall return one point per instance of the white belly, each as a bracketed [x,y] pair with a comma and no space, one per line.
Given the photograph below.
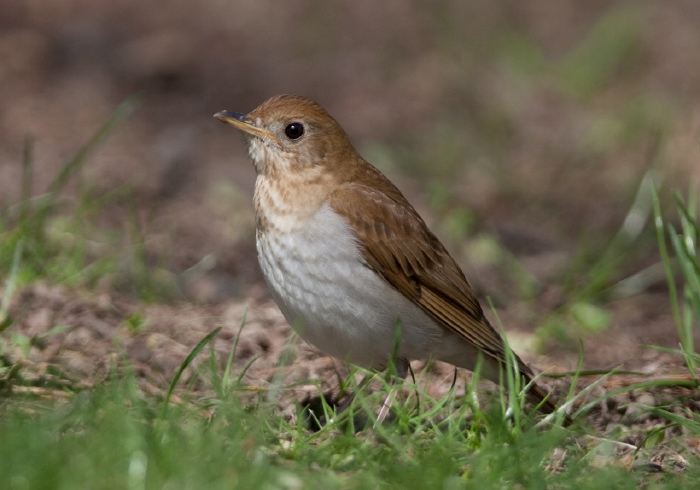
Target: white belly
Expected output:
[336,303]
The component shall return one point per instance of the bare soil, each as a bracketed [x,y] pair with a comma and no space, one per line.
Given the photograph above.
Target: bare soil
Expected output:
[100,335]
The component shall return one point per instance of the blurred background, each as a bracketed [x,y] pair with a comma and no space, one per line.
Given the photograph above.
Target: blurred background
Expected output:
[526,133]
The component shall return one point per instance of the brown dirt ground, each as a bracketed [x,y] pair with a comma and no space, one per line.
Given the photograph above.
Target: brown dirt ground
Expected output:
[544,190]
[98,338]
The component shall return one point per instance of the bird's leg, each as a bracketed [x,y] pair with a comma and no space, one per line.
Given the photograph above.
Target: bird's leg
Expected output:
[347,401]
[401,366]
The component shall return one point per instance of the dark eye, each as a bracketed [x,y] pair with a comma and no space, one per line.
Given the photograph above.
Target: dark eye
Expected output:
[294,131]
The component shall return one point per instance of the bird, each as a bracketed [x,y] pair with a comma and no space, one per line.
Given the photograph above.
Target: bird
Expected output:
[350,262]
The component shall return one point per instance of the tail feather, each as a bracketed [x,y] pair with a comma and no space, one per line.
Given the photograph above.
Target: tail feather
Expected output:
[544,401]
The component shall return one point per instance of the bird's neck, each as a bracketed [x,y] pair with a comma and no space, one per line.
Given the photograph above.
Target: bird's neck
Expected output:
[284,203]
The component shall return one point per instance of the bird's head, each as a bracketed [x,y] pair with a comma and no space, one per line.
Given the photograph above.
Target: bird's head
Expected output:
[289,133]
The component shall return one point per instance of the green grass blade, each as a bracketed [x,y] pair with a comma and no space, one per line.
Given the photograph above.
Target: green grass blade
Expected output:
[26,204]
[666,258]
[229,362]
[122,112]
[10,286]
[688,423]
[202,343]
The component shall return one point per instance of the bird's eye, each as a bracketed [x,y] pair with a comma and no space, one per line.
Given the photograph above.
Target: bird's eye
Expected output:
[294,130]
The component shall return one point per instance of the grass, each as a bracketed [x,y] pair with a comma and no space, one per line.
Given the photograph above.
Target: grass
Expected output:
[219,436]
[593,279]
[686,307]
[117,436]
[57,237]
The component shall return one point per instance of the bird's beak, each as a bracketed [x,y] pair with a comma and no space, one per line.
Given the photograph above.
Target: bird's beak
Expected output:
[241,121]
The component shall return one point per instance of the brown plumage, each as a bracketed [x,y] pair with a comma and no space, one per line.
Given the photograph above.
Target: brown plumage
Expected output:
[337,241]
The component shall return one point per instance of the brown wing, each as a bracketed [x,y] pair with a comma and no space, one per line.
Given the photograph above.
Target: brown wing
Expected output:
[396,243]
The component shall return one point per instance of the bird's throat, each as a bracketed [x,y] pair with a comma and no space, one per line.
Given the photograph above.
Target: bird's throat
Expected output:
[285,205]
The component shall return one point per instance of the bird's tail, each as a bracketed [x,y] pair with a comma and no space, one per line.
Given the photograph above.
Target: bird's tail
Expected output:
[544,401]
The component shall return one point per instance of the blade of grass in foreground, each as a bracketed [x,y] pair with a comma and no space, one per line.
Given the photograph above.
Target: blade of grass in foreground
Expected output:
[188,360]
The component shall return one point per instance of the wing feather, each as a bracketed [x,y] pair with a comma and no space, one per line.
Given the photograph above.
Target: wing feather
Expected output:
[397,244]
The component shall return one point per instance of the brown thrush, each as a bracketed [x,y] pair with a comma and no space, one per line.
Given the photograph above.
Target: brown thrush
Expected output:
[348,259]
